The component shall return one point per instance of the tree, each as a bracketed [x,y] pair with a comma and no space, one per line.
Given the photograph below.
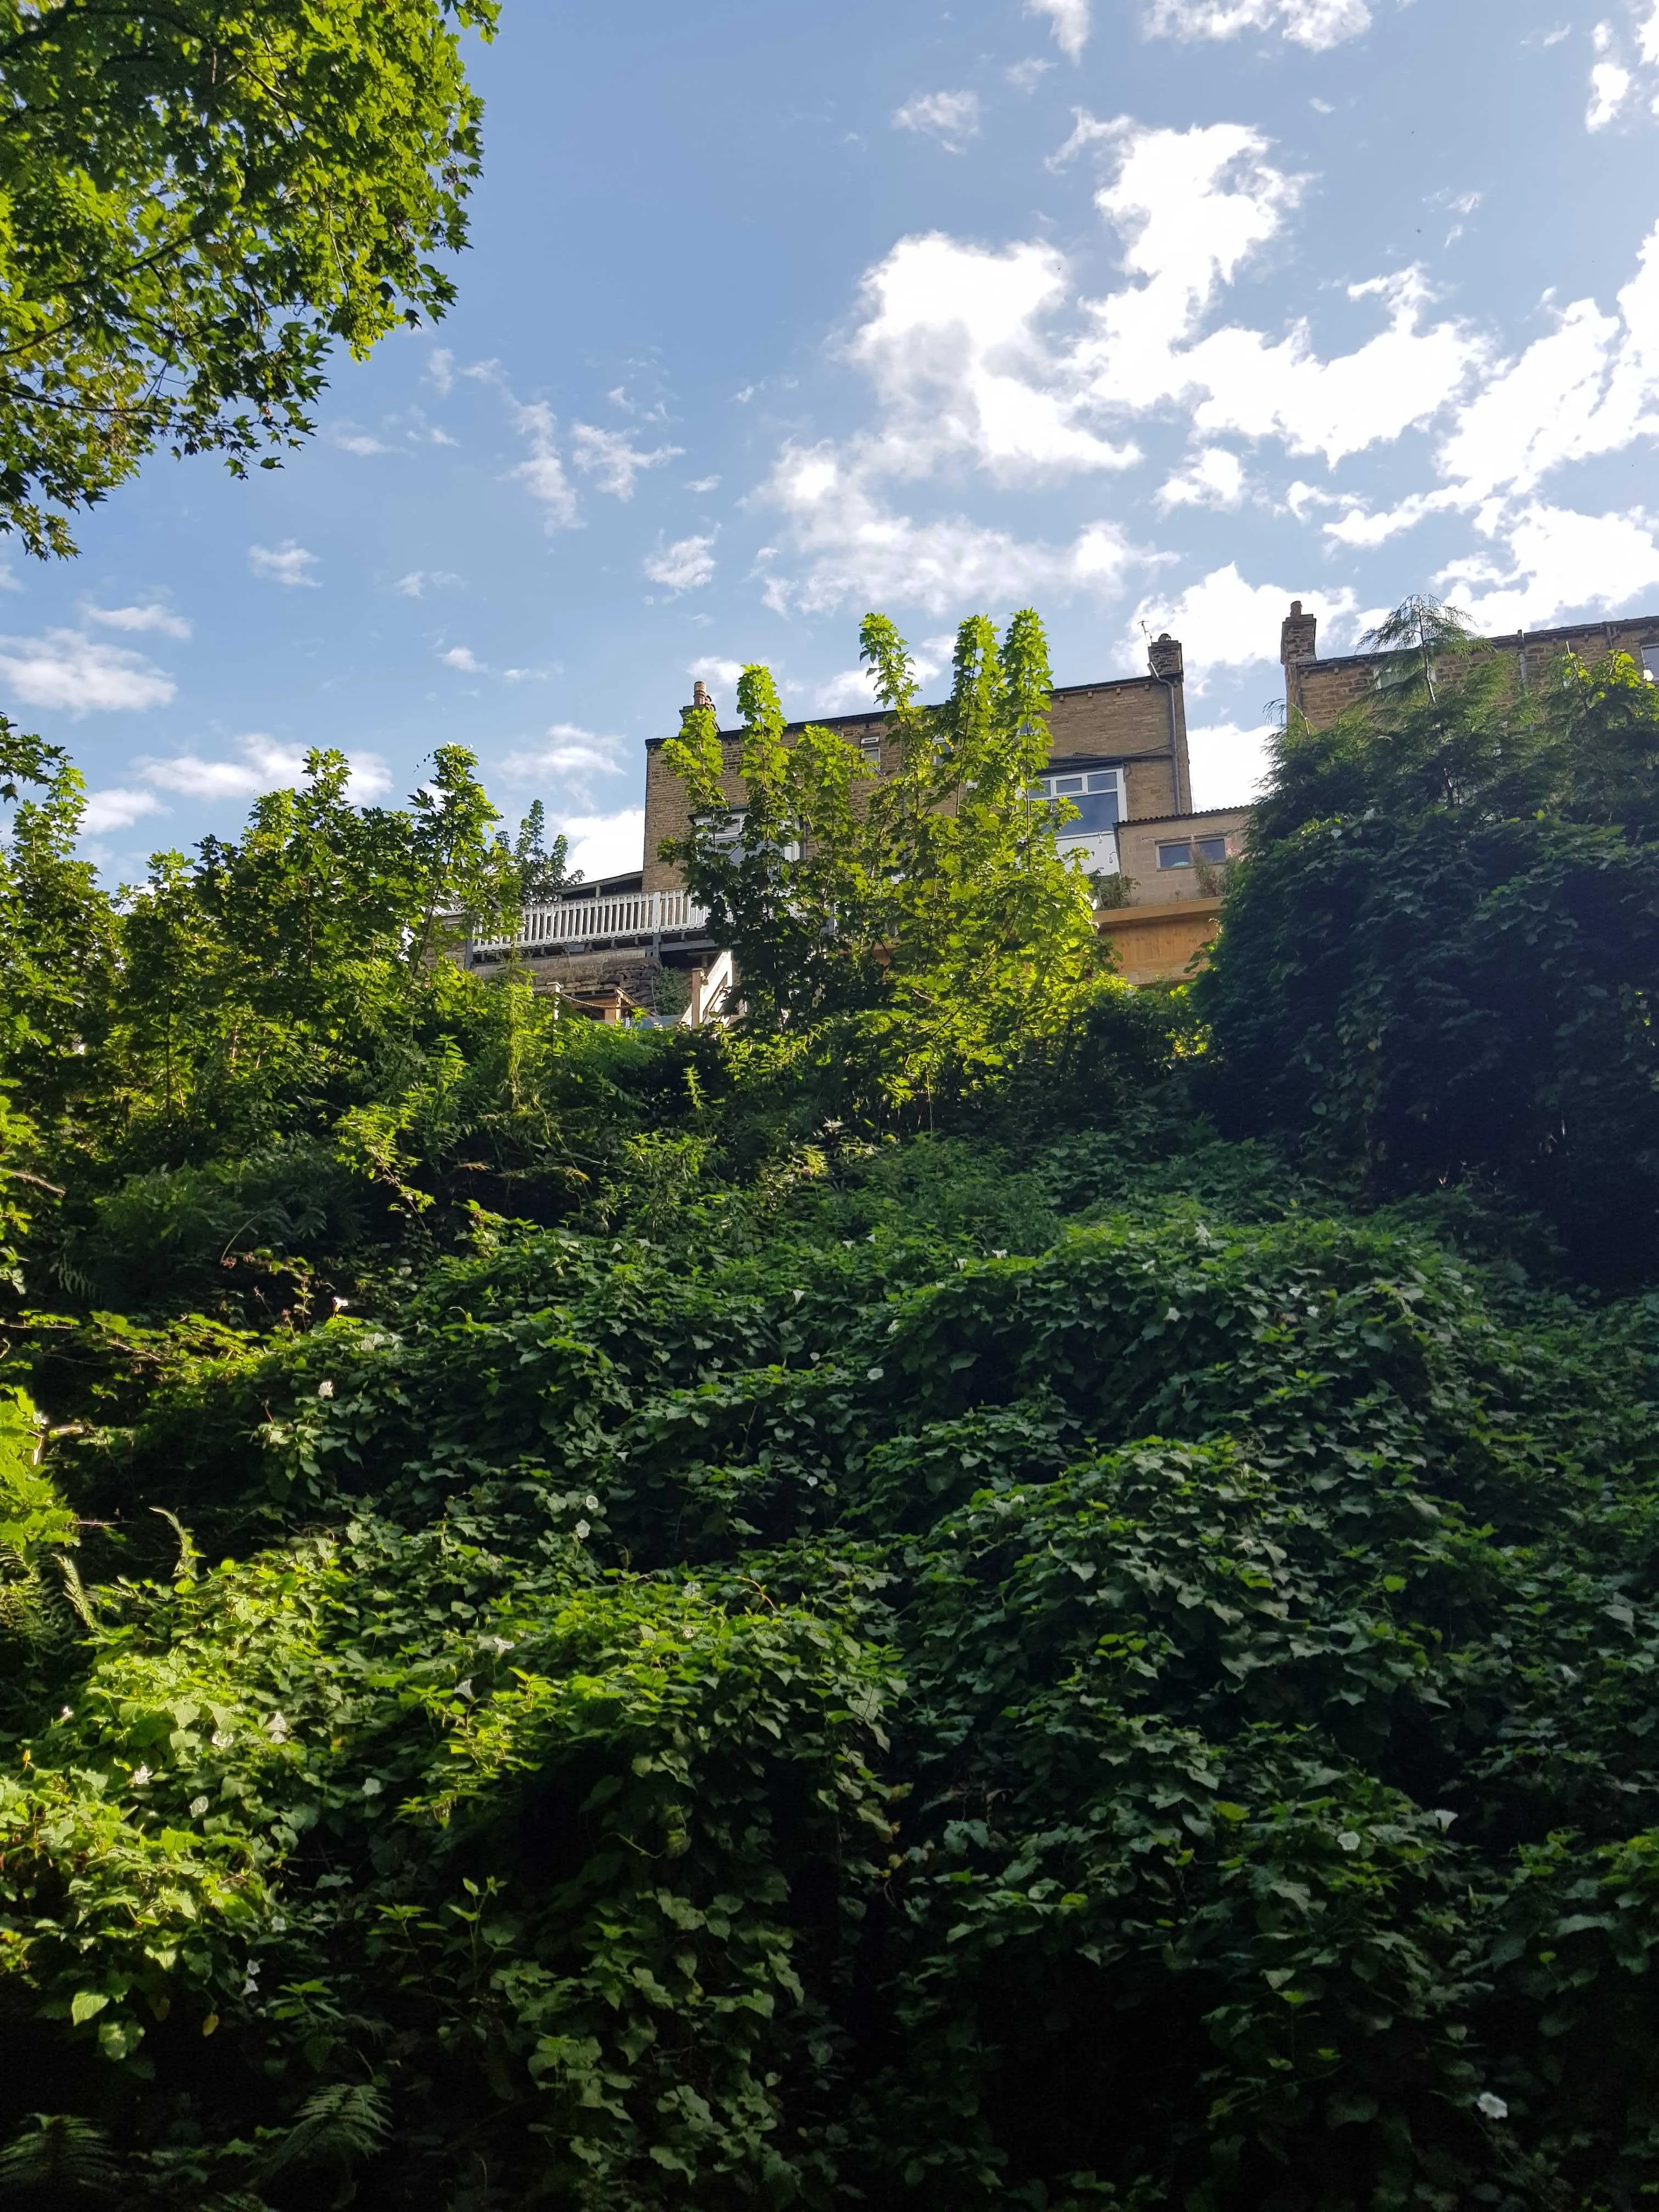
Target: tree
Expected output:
[201,198]
[930,903]
[1441,962]
[543,870]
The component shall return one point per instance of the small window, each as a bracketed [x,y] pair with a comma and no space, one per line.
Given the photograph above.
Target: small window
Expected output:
[1175,856]
[725,834]
[1650,663]
[870,755]
[1068,784]
[1210,849]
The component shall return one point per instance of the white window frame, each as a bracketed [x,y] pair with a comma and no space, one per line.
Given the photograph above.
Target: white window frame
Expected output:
[1100,778]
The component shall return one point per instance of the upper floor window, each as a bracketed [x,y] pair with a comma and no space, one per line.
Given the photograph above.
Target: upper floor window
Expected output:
[869,755]
[726,836]
[1650,663]
[1191,850]
[1096,794]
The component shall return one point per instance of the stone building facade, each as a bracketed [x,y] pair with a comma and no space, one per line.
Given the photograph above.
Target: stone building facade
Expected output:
[1320,689]
[1136,726]
[1119,752]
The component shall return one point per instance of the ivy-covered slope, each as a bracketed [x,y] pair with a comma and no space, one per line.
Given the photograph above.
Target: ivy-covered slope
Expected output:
[1063,1661]
[1164,1716]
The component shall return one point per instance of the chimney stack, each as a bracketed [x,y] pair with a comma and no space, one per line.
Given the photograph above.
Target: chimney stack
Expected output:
[1164,657]
[1298,637]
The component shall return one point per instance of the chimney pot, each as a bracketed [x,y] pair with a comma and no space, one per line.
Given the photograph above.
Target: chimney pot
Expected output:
[1298,636]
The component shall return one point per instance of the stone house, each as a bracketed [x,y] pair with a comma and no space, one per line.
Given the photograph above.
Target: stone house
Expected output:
[1321,690]
[1119,753]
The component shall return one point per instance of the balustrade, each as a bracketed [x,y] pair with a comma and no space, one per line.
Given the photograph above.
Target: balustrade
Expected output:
[638,915]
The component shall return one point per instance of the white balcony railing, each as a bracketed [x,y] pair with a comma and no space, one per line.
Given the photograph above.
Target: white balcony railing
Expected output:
[636,918]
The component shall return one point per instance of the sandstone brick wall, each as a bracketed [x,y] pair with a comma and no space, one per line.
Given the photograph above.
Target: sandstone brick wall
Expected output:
[1322,689]
[631,967]
[1140,722]
[1137,843]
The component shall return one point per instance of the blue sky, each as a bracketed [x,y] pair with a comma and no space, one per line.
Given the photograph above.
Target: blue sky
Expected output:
[1149,313]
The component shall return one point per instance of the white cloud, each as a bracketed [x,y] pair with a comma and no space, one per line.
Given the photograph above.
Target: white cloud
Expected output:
[66,669]
[953,343]
[718,674]
[543,472]
[1069,20]
[606,844]
[531,675]
[952,117]
[287,563]
[703,484]
[991,361]
[117,810]
[684,566]
[1194,208]
[1591,386]
[1609,88]
[571,752]
[1229,765]
[1560,561]
[1614,85]
[853,690]
[857,548]
[1587,388]
[609,456]
[419,581]
[1318,24]
[151,617]
[360,441]
[1026,76]
[1399,380]
[1228,623]
[1357,526]
[441,371]
[849,693]
[1213,478]
[463,658]
[264,766]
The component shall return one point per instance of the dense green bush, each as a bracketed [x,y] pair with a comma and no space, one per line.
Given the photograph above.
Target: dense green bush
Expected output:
[1442,964]
[663,1638]
[1171,1705]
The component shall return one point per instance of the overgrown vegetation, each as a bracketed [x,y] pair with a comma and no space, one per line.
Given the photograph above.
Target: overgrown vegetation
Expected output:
[981,1591]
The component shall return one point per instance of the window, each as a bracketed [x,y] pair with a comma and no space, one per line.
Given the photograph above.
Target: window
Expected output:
[727,837]
[869,756]
[1190,852]
[1096,794]
[1650,663]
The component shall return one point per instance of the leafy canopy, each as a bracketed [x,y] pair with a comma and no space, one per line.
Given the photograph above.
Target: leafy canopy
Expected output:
[1442,964]
[197,202]
[926,908]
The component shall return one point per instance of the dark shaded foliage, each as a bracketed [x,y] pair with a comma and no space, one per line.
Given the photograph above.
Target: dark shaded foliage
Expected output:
[1441,965]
